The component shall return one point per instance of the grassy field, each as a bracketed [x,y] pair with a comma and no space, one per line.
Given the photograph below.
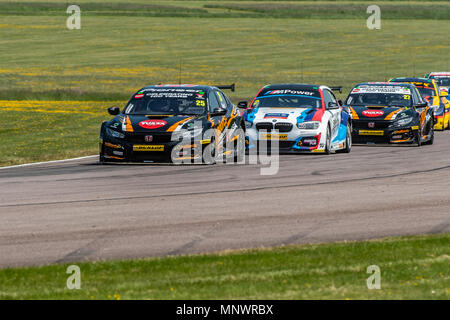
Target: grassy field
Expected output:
[411,268]
[35,130]
[123,46]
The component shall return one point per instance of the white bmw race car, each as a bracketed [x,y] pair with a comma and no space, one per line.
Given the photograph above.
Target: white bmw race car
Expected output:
[301,117]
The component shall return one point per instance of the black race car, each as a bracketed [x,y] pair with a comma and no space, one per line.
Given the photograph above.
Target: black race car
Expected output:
[178,123]
[387,112]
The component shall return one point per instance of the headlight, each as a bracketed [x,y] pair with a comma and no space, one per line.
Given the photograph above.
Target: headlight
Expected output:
[248,124]
[404,121]
[309,125]
[114,134]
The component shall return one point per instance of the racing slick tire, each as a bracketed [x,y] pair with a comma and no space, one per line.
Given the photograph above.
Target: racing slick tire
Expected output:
[431,140]
[101,157]
[213,153]
[418,139]
[348,141]
[328,141]
[239,150]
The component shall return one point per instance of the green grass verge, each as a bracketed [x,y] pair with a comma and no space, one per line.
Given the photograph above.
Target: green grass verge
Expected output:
[46,130]
[236,9]
[413,267]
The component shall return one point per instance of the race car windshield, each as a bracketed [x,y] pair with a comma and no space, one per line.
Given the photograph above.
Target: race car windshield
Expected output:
[444,82]
[379,99]
[286,101]
[173,103]
[426,92]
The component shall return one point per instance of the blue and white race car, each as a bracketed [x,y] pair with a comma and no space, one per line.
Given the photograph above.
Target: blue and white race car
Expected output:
[302,117]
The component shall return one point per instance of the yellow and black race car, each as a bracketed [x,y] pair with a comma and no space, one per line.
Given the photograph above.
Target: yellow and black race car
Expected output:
[429,90]
[178,123]
[389,112]
[442,79]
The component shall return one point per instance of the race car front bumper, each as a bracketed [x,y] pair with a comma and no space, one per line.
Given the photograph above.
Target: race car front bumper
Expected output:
[310,143]
[133,148]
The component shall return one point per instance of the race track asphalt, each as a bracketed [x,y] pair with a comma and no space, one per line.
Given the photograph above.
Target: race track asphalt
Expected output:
[80,210]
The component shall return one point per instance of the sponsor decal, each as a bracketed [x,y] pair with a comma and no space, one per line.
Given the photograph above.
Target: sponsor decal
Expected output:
[372,113]
[276,115]
[200,95]
[174,95]
[382,89]
[147,147]
[273,136]
[371,124]
[138,96]
[371,132]
[294,92]
[152,124]
[310,141]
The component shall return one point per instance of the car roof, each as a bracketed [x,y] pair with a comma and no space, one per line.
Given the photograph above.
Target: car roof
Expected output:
[300,86]
[413,79]
[179,86]
[442,73]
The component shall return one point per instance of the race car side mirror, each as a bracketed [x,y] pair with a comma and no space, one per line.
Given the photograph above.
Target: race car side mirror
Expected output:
[242,105]
[219,112]
[114,111]
[332,105]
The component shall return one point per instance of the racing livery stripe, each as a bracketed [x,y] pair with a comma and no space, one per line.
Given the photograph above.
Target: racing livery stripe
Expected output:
[321,97]
[176,124]
[390,115]
[354,114]
[251,104]
[129,127]
[318,115]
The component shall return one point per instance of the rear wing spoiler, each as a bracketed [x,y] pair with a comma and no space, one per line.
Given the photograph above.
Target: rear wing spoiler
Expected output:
[338,88]
[226,87]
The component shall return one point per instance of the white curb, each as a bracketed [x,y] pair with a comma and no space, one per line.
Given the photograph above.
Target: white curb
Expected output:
[46,162]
